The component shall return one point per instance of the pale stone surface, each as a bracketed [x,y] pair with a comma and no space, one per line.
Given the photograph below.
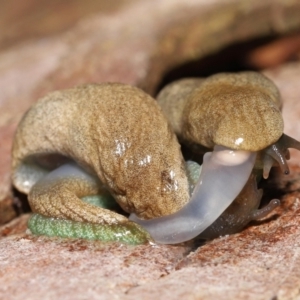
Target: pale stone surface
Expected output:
[31,19]
[262,262]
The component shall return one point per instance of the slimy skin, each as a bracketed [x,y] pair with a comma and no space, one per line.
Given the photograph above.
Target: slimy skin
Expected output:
[193,218]
[70,180]
[80,144]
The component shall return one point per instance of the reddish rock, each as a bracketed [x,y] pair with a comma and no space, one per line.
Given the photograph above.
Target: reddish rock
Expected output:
[17,226]
[137,43]
[276,52]
[31,19]
[55,268]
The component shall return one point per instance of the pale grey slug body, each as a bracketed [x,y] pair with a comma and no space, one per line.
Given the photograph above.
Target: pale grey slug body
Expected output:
[231,169]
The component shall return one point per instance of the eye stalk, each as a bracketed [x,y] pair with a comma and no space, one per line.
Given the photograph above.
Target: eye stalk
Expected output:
[223,176]
[279,153]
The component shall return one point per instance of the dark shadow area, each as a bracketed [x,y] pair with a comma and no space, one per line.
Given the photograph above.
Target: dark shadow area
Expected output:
[21,204]
[271,188]
[234,58]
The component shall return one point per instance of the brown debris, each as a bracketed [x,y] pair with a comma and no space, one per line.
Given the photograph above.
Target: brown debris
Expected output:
[16,226]
[7,211]
[275,53]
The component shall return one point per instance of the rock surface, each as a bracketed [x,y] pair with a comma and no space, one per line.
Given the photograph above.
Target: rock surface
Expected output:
[138,43]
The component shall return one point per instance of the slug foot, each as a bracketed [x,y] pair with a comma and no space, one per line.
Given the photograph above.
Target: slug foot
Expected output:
[59,194]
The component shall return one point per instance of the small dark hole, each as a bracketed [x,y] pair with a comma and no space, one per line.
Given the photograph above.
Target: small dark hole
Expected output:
[21,204]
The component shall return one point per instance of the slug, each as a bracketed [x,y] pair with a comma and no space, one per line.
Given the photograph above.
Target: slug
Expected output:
[76,148]
[93,140]
[238,116]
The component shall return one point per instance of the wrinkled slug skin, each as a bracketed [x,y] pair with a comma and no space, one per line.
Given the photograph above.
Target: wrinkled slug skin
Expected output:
[113,131]
[240,111]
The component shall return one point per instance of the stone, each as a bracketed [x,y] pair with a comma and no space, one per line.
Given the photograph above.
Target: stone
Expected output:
[138,43]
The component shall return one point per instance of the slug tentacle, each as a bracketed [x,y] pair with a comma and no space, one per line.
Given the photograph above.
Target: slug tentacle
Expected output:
[223,176]
[278,152]
[264,211]
[274,152]
[268,162]
[288,142]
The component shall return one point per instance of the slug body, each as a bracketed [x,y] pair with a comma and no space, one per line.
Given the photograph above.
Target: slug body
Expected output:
[117,137]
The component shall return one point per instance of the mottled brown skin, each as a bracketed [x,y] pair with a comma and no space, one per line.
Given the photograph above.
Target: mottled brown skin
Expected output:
[115,132]
[224,108]
[173,99]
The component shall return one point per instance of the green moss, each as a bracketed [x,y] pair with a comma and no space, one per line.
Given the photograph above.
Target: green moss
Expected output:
[129,233]
[105,200]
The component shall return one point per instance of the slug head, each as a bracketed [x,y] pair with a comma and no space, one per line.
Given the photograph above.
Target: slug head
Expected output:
[239,111]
